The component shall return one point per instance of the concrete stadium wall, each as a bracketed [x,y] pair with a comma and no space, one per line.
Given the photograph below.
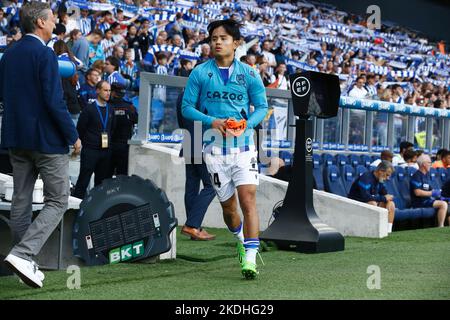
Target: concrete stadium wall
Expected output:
[162,165]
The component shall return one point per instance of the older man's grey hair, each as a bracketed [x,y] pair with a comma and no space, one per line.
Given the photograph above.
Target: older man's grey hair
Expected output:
[384,166]
[31,12]
[422,159]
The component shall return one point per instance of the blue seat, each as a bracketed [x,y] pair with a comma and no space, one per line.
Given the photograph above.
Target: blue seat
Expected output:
[333,182]
[403,176]
[366,160]
[348,176]
[354,160]
[327,159]
[435,182]
[287,157]
[318,172]
[409,171]
[401,180]
[341,160]
[360,170]
[448,172]
[402,212]
[442,175]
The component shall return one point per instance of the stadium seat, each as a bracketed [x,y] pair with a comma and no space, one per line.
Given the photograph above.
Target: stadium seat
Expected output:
[354,160]
[341,160]
[333,182]
[287,157]
[401,181]
[409,171]
[402,178]
[365,160]
[374,158]
[327,159]
[360,170]
[442,175]
[348,176]
[448,173]
[435,182]
[402,213]
[318,172]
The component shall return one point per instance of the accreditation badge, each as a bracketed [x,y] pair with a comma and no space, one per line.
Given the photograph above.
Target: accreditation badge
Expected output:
[104,140]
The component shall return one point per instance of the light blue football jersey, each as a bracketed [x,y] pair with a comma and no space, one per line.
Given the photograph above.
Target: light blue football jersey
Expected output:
[217,99]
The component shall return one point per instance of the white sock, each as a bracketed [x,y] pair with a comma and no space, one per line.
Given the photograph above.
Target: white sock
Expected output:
[250,255]
[251,249]
[238,233]
[389,227]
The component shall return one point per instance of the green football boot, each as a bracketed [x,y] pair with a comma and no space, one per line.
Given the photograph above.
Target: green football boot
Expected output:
[241,252]
[249,270]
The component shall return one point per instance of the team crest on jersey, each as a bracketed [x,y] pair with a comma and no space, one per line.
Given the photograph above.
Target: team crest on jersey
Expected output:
[240,79]
[210,75]
[252,73]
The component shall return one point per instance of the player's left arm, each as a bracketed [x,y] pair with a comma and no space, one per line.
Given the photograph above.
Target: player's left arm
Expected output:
[257,97]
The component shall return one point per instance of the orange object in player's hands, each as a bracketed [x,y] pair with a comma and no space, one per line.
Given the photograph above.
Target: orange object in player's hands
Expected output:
[236,127]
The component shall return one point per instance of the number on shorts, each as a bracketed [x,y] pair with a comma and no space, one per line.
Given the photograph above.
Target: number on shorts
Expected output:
[216,180]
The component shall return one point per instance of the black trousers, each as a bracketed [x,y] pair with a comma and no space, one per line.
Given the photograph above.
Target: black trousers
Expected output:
[197,201]
[92,161]
[119,158]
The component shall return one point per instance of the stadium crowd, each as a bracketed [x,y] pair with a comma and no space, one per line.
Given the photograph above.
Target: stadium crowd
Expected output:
[117,40]
[281,37]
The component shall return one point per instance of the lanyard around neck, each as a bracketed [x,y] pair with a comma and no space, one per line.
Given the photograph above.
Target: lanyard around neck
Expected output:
[103,120]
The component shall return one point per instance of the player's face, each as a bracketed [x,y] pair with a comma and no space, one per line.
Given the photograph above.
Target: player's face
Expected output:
[222,44]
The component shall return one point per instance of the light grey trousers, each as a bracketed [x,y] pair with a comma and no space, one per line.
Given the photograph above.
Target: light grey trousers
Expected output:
[29,237]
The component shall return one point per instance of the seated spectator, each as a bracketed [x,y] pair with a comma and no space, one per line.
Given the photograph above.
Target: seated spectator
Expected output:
[398,159]
[410,157]
[386,155]
[445,160]
[369,188]
[358,90]
[422,195]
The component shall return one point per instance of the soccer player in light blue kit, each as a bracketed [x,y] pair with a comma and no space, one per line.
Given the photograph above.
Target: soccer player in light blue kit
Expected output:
[217,90]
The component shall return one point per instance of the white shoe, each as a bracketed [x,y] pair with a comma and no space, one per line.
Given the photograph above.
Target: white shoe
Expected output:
[26,270]
[38,272]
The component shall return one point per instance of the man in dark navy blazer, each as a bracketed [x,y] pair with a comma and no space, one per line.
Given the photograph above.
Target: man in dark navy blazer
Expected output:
[37,130]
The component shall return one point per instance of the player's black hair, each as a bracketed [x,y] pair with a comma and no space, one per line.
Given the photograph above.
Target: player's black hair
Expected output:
[231,27]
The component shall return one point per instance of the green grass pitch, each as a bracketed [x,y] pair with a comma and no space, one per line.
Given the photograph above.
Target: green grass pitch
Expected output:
[413,265]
